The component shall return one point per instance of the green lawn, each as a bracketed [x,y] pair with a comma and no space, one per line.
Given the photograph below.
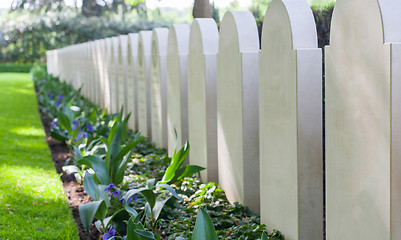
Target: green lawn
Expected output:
[32,201]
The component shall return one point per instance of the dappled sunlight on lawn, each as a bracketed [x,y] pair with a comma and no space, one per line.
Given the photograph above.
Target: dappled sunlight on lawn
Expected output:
[29,131]
[32,200]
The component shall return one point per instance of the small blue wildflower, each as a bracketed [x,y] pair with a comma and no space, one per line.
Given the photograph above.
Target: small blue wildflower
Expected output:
[57,103]
[116,194]
[109,187]
[72,176]
[60,97]
[133,198]
[50,96]
[54,123]
[89,128]
[75,124]
[84,134]
[110,234]
[43,80]
[124,237]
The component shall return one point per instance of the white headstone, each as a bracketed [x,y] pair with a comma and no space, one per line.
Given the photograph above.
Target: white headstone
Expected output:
[363,141]
[114,88]
[202,99]
[158,87]
[290,100]
[144,55]
[177,86]
[122,72]
[132,85]
[109,75]
[237,108]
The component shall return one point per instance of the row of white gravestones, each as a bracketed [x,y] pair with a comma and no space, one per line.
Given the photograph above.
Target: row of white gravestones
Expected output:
[267,127]
[205,88]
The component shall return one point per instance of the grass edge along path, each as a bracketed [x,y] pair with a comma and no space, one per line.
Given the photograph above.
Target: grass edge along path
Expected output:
[32,200]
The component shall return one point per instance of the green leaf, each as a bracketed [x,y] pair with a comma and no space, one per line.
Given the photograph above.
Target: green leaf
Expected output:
[134,2]
[151,183]
[94,190]
[99,166]
[65,122]
[71,169]
[88,211]
[112,162]
[150,197]
[132,231]
[158,207]
[204,228]
[77,153]
[145,234]
[90,186]
[177,160]
[170,189]
[186,171]
[264,236]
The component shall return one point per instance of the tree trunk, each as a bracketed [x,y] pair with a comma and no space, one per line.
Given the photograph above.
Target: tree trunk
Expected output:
[202,9]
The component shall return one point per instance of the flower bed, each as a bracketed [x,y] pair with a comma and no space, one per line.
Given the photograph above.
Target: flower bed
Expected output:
[136,190]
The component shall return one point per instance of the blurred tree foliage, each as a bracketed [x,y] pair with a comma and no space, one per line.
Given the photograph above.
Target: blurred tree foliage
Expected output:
[32,27]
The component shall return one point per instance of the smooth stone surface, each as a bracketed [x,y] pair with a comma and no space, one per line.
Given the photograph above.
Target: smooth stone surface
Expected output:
[122,73]
[132,93]
[362,121]
[202,99]
[290,98]
[158,86]
[177,86]
[114,88]
[144,55]
[237,112]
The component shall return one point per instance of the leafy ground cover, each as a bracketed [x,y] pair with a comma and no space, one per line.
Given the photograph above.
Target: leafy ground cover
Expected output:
[32,201]
[137,192]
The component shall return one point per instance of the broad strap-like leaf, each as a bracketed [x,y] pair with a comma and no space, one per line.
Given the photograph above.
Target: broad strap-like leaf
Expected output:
[71,169]
[65,122]
[146,235]
[94,190]
[90,210]
[112,153]
[170,189]
[186,171]
[127,196]
[132,231]
[177,160]
[99,166]
[150,197]
[127,149]
[204,228]
[264,236]
[158,207]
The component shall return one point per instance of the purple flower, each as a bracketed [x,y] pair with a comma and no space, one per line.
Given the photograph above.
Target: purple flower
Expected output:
[54,123]
[124,237]
[110,234]
[60,97]
[50,95]
[75,124]
[57,103]
[72,176]
[84,134]
[89,128]
[43,80]
[109,187]
[133,198]
[116,194]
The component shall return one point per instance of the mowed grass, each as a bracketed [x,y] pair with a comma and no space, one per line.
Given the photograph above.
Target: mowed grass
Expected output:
[32,201]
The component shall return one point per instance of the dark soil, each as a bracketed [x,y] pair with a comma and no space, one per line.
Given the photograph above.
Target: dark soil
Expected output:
[74,192]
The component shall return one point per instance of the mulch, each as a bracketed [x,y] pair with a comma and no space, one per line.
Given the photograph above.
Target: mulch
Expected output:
[74,192]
